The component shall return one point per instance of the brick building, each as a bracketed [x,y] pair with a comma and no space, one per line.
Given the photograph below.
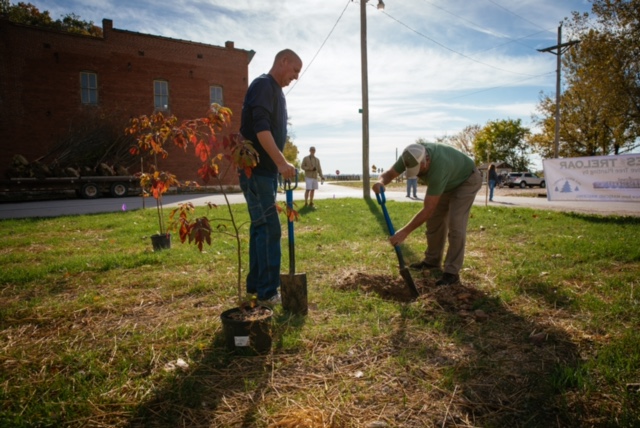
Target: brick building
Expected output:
[52,81]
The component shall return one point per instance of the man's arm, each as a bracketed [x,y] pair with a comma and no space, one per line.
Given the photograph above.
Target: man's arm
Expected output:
[385,178]
[267,142]
[428,207]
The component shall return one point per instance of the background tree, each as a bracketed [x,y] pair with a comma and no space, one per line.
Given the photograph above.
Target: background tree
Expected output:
[291,152]
[463,141]
[503,141]
[600,107]
[28,14]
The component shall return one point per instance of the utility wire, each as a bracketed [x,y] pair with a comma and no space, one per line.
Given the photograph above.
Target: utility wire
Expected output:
[511,39]
[320,48]
[453,50]
[515,14]
[497,87]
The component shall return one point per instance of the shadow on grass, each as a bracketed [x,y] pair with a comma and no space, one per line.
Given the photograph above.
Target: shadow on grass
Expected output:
[376,210]
[593,218]
[218,380]
[494,367]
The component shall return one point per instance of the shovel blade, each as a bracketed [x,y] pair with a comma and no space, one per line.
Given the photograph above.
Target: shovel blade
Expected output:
[293,288]
[408,280]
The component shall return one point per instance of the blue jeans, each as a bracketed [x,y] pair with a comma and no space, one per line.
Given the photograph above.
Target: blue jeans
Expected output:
[264,234]
[492,185]
[412,185]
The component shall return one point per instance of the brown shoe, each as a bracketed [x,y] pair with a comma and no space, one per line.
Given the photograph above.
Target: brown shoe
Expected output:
[448,279]
[422,265]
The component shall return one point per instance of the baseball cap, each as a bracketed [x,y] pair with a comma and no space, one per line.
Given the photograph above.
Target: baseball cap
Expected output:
[412,156]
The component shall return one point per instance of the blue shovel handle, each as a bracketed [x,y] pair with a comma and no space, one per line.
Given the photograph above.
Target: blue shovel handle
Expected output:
[288,188]
[382,201]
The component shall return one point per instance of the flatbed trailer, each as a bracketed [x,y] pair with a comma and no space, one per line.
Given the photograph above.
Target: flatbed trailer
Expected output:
[87,187]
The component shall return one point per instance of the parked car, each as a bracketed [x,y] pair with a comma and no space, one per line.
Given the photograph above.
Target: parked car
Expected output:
[525,179]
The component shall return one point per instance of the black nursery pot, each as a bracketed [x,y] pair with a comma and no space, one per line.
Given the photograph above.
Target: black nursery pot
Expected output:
[247,336]
[161,242]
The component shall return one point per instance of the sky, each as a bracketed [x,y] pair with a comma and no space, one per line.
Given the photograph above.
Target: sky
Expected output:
[434,66]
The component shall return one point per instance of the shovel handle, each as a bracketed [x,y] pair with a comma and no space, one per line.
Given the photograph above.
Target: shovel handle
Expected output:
[288,188]
[286,184]
[382,201]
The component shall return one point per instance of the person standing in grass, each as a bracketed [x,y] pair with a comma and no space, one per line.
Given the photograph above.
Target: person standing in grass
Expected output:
[312,170]
[492,180]
[412,186]
[452,181]
[264,123]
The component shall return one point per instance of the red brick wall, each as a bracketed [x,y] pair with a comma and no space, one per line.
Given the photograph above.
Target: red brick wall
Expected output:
[40,84]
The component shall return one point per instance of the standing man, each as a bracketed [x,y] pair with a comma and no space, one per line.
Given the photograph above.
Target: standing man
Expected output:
[493,180]
[312,170]
[452,183]
[264,122]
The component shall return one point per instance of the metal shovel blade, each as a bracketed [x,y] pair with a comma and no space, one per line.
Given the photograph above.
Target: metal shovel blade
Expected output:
[404,271]
[294,293]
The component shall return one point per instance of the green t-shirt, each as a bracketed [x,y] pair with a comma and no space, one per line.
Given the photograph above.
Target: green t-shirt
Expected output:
[449,168]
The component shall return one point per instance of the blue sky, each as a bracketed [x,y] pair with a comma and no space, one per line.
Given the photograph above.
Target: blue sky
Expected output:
[434,66]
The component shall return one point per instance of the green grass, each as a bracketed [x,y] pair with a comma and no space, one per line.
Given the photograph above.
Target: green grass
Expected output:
[92,322]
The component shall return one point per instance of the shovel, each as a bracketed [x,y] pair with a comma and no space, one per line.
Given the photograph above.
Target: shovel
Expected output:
[293,286]
[404,271]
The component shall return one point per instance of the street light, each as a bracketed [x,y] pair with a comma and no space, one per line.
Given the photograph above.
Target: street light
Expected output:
[365,96]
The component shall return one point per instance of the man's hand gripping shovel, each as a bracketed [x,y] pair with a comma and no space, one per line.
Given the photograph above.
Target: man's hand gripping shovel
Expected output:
[404,271]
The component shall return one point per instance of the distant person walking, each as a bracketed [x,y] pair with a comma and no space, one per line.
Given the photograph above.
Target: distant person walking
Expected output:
[312,170]
[264,122]
[493,180]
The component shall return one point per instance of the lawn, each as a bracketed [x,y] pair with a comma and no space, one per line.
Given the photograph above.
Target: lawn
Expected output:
[97,330]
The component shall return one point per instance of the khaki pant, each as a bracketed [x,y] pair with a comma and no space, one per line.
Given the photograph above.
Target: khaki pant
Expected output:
[450,220]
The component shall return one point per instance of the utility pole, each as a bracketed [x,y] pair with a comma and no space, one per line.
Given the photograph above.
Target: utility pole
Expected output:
[559,49]
[365,99]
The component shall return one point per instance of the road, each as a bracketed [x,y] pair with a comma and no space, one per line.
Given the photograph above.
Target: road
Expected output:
[503,197]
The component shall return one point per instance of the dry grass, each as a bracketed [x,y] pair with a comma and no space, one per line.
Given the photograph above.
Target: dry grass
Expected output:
[121,337]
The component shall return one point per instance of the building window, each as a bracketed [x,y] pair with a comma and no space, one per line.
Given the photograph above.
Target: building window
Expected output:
[161,94]
[215,95]
[89,88]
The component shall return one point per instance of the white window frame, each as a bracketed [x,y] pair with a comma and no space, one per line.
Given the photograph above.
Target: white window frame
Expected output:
[161,95]
[216,95]
[88,88]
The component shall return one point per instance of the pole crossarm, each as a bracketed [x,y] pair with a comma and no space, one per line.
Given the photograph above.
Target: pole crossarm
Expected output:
[559,47]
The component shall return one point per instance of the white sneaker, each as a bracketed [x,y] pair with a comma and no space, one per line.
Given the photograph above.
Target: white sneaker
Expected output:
[271,301]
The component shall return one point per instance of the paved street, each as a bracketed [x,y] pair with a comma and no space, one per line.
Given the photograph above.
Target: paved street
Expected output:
[503,197]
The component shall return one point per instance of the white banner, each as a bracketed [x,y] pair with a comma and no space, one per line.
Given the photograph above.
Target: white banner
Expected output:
[597,178]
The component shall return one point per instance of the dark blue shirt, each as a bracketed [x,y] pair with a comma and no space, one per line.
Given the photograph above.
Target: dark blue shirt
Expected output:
[264,109]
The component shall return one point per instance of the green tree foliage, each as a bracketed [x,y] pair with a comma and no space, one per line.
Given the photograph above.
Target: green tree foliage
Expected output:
[503,141]
[291,152]
[600,107]
[28,14]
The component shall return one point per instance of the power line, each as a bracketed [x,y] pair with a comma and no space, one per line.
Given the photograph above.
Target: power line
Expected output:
[453,50]
[512,40]
[497,87]
[515,14]
[321,46]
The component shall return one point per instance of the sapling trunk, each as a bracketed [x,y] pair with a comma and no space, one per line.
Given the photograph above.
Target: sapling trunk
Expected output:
[160,214]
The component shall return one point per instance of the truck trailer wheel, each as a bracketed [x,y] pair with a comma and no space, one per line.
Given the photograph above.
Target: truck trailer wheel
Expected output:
[89,191]
[118,190]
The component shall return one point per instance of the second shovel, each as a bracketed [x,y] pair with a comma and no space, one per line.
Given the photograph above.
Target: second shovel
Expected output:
[293,285]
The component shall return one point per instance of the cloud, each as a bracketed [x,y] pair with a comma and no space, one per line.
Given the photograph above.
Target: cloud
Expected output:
[434,66]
